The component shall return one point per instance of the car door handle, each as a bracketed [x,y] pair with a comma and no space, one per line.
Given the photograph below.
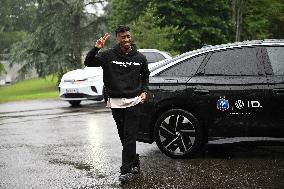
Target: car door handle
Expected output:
[278,91]
[201,92]
[170,79]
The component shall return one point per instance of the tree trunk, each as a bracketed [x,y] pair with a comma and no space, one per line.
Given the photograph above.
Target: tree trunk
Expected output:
[237,37]
[76,41]
[237,14]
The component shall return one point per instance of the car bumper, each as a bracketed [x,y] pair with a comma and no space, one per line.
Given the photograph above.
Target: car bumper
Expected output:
[80,96]
[83,91]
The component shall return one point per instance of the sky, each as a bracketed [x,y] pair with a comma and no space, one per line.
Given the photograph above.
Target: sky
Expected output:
[96,9]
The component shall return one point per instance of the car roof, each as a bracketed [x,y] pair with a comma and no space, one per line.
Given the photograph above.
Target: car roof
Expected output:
[210,48]
[266,42]
[164,53]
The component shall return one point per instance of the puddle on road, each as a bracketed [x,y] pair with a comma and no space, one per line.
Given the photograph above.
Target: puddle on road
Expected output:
[77,165]
[91,172]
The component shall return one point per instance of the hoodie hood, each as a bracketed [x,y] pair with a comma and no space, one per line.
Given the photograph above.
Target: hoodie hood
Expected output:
[118,50]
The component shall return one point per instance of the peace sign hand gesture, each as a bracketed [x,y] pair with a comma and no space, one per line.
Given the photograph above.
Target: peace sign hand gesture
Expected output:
[100,43]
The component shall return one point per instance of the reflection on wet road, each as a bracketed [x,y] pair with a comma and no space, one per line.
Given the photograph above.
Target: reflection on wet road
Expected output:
[22,112]
[47,144]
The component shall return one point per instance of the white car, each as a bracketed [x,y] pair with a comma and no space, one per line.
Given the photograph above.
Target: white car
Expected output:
[87,83]
[154,55]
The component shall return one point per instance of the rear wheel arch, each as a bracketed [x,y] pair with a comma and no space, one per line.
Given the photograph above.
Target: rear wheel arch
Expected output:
[174,104]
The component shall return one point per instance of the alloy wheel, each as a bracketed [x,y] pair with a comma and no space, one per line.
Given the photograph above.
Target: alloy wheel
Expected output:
[178,133]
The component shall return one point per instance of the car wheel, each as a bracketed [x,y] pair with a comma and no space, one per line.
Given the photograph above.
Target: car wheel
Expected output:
[178,133]
[75,103]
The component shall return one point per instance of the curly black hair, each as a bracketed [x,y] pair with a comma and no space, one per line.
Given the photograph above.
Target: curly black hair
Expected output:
[121,28]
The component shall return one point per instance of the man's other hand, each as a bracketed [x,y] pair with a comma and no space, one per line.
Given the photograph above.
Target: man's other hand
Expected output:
[143,97]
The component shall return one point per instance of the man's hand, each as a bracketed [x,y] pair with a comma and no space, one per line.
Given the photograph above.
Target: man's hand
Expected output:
[100,43]
[143,97]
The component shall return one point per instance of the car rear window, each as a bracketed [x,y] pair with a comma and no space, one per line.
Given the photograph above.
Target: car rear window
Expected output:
[276,57]
[153,57]
[237,61]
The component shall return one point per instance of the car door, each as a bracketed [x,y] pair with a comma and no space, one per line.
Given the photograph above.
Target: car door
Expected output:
[167,87]
[274,68]
[230,88]
[175,79]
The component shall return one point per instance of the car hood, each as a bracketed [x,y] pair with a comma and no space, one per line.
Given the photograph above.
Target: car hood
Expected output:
[85,73]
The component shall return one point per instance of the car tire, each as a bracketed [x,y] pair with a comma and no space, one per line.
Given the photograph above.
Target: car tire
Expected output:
[75,103]
[178,133]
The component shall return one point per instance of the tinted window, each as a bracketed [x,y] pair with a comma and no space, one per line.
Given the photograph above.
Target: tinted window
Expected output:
[276,57]
[185,68]
[238,61]
[153,57]
[159,57]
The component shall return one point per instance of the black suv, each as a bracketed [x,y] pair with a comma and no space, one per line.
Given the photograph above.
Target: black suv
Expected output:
[226,91]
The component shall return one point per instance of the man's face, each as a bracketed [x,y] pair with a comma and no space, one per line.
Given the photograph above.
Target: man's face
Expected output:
[124,38]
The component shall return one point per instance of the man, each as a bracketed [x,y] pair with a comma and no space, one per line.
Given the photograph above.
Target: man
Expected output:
[126,77]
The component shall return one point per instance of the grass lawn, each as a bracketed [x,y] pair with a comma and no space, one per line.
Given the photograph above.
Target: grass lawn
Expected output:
[37,88]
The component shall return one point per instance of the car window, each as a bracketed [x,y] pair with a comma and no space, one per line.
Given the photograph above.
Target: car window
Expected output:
[238,61]
[153,57]
[185,68]
[276,57]
[159,57]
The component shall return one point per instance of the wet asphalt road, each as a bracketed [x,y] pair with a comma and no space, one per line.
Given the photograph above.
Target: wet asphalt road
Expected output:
[48,144]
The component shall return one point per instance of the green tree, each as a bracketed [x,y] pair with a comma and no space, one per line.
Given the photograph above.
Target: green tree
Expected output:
[257,19]
[2,69]
[7,39]
[209,22]
[148,34]
[262,19]
[15,19]
[63,30]
[276,19]
[200,22]
[125,12]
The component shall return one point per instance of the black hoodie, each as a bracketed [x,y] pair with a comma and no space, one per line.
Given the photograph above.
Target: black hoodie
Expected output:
[124,75]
